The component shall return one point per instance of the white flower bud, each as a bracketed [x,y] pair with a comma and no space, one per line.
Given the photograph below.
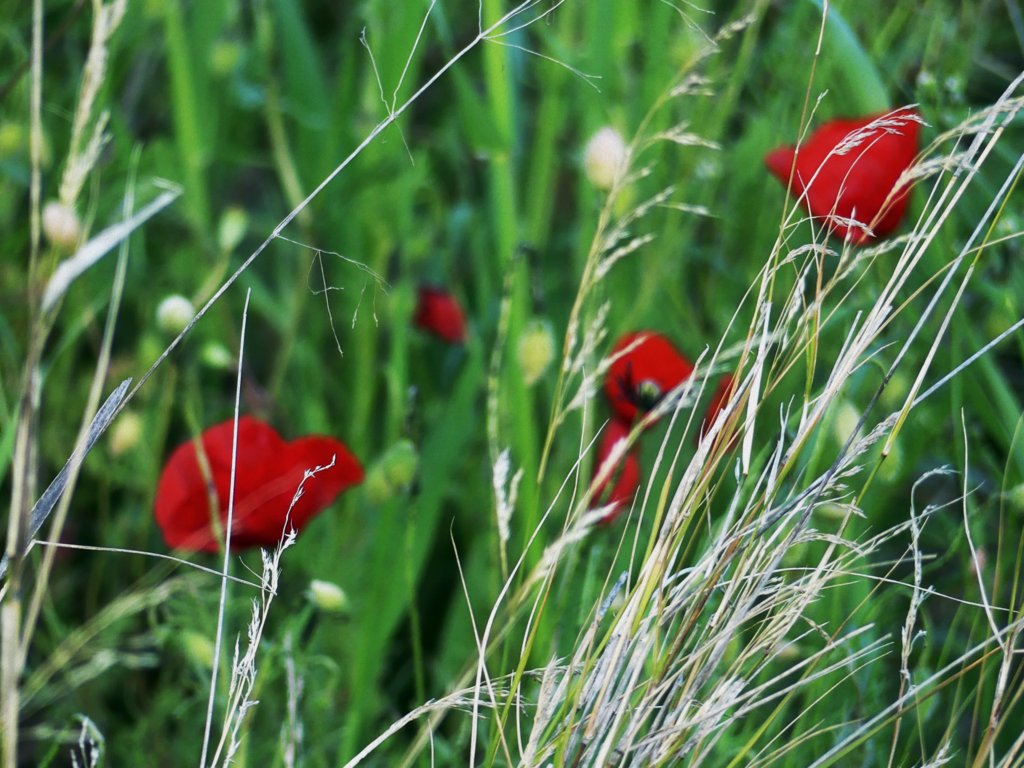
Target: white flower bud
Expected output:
[61,225]
[327,596]
[604,159]
[174,313]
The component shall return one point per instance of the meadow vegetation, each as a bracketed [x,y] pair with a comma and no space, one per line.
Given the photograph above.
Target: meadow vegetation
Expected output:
[827,574]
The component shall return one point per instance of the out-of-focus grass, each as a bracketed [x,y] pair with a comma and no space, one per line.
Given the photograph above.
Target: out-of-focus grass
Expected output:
[478,189]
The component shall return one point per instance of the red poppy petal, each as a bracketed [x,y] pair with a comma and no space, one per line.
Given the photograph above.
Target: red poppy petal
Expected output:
[439,313]
[624,478]
[651,360]
[848,169]
[320,491]
[183,499]
[182,503]
[268,473]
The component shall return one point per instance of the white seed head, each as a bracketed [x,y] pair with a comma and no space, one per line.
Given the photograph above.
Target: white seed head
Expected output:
[174,313]
[61,225]
[327,596]
[604,159]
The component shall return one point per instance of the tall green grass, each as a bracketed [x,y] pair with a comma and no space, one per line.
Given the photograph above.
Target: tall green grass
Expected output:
[838,585]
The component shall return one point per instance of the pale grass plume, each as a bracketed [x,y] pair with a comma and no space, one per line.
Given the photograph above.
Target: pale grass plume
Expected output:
[88,131]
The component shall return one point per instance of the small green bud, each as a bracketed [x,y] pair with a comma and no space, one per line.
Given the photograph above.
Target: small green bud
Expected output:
[376,486]
[845,422]
[215,355]
[535,350]
[197,647]
[234,223]
[401,462]
[13,140]
[224,57]
[126,433]
[393,473]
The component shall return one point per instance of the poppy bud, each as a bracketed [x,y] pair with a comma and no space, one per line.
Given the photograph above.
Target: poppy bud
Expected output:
[232,228]
[393,473]
[61,225]
[437,312]
[848,170]
[605,157]
[225,56]
[197,647]
[173,314]
[328,597]
[126,433]
[401,463]
[13,138]
[215,355]
[846,421]
[376,486]
[535,351]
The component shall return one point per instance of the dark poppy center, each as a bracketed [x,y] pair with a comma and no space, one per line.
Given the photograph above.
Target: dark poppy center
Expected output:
[647,394]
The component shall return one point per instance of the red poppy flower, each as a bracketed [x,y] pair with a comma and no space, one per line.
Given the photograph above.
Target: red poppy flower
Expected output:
[723,394]
[848,169]
[619,488]
[268,472]
[638,379]
[438,312]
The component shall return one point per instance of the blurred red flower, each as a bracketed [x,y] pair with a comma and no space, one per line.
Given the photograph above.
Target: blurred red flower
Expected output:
[438,312]
[268,473]
[638,379]
[848,169]
[619,488]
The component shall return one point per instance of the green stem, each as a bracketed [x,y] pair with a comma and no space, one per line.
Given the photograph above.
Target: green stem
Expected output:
[189,136]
